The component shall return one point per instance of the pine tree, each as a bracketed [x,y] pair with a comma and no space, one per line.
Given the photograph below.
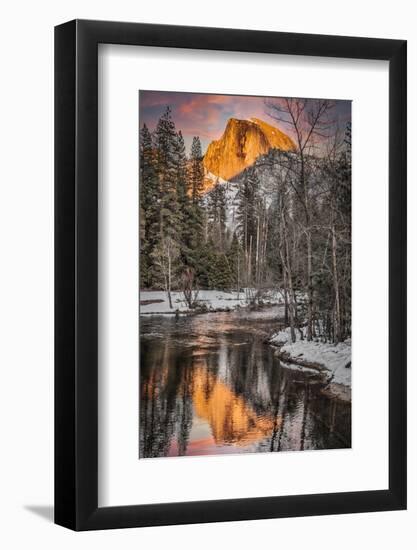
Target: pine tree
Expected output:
[344,175]
[183,199]
[149,211]
[207,255]
[192,221]
[220,274]
[235,260]
[216,209]
[193,236]
[181,170]
[169,167]
[196,170]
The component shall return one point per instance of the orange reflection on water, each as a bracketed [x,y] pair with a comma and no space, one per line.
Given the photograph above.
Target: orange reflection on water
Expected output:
[232,420]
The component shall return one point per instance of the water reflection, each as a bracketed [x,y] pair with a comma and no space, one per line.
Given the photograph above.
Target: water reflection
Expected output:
[210,385]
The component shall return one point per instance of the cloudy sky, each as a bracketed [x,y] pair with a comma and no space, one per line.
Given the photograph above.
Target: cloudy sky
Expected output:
[206,115]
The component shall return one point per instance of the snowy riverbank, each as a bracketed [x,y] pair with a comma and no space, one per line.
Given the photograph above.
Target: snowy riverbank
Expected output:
[155,302]
[334,358]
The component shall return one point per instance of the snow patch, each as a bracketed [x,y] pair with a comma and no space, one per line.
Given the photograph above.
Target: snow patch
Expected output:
[156,301]
[333,357]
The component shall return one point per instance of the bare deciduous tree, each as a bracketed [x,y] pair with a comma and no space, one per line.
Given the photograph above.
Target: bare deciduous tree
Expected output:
[164,257]
[189,290]
[307,120]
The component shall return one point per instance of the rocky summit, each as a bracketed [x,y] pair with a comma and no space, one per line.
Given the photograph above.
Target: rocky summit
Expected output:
[242,142]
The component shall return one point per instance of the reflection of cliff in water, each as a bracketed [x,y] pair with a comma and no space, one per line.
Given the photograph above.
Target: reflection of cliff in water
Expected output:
[231,418]
[210,391]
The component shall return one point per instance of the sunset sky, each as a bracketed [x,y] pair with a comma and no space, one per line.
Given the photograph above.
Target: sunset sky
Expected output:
[206,115]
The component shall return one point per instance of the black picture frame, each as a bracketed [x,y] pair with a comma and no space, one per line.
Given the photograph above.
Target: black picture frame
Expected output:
[76,272]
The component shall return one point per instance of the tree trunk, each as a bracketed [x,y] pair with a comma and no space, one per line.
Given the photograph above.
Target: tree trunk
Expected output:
[250,261]
[309,290]
[238,274]
[169,280]
[257,255]
[309,250]
[285,295]
[337,334]
[290,285]
[263,262]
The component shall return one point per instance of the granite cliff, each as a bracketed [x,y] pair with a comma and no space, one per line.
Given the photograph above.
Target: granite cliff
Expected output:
[242,142]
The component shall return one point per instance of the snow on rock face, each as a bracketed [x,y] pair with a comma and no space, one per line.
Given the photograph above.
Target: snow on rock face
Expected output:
[231,199]
[334,357]
[266,168]
[242,142]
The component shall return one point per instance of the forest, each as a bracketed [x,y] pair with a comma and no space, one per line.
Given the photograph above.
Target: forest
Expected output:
[282,224]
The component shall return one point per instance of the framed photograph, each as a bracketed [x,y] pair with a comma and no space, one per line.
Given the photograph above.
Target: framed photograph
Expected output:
[230,252]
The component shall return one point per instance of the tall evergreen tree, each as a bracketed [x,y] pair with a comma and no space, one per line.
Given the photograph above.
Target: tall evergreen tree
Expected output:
[235,259]
[181,170]
[196,170]
[183,199]
[193,212]
[149,199]
[169,166]
[221,275]
[216,209]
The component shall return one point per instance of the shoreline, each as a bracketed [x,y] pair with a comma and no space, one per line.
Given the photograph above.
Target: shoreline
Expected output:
[331,361]
[154,302]
[202,311]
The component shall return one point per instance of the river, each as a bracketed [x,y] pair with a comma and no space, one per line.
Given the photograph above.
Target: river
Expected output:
[209,384]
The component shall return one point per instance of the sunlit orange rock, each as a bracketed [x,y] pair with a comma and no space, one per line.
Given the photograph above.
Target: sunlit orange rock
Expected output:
[242,142]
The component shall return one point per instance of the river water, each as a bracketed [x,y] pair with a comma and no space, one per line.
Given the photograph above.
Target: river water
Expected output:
[209,384]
